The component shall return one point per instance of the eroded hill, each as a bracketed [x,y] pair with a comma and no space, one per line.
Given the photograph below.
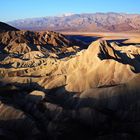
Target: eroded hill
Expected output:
[49,89]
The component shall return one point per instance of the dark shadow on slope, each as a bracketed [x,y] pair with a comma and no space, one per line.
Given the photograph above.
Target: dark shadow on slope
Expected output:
[78,39]
[88,118]
[120,57]
[17,129]
[122,42]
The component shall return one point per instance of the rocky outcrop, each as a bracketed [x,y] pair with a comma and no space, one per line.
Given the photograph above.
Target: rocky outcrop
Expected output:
[21,42]
[92,94]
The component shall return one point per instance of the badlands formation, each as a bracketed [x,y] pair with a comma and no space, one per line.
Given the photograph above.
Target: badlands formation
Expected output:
[53,89]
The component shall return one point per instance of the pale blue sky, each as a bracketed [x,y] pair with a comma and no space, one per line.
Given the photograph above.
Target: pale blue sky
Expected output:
[19,9]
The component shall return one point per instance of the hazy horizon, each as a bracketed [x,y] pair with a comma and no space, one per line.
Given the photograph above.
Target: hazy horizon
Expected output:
[69,14]
[14,10]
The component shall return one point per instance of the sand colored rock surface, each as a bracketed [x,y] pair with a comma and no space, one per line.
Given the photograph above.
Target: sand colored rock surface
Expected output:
[59,92]
[102,68]
[102,64]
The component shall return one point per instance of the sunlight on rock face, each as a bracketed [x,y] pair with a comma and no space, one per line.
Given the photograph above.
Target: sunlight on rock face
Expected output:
[54,87]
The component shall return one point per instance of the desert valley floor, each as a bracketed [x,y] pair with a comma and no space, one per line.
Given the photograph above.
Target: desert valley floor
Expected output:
[71,86]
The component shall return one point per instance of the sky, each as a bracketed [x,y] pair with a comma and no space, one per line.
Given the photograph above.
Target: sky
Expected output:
[20,9]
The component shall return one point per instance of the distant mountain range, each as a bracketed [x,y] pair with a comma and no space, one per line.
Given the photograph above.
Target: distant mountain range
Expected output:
[92,22]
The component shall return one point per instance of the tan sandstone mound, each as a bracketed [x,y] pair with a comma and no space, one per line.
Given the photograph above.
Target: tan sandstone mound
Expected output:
[91,94]
[100,65]
[103,64]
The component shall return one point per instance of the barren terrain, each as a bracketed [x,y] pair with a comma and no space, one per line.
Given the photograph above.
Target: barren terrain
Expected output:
[71,86]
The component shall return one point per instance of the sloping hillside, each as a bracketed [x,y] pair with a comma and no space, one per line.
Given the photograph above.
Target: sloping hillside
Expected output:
[49,89]
[5,27]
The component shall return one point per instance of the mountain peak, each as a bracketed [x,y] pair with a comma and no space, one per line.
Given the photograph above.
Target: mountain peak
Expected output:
[65,14]
[87,22]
